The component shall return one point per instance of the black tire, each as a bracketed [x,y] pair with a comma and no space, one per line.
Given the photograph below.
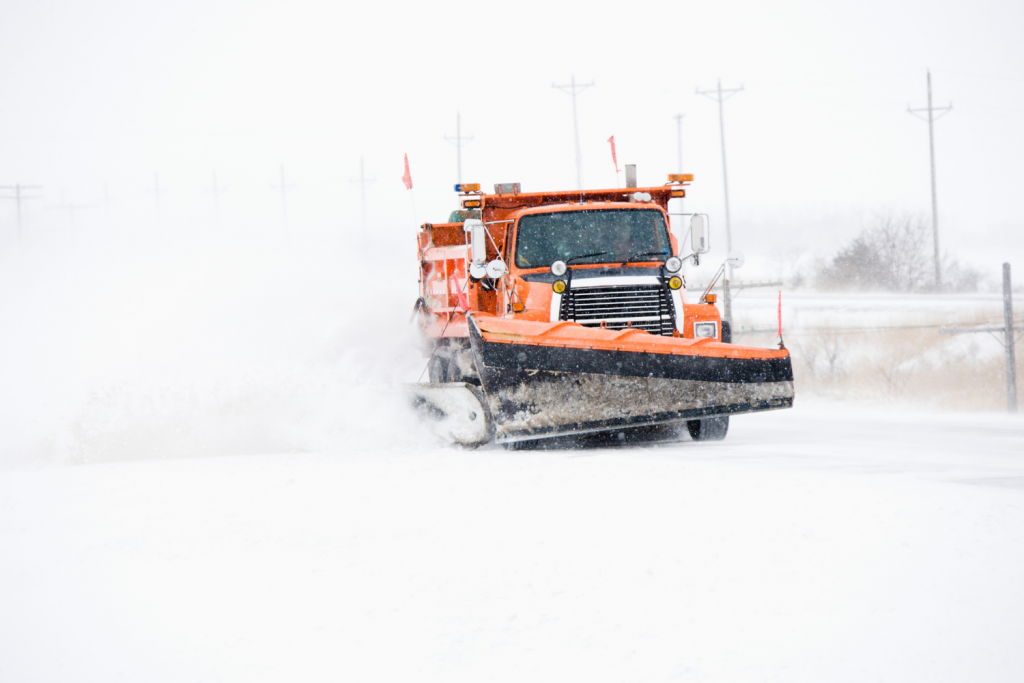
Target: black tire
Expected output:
[726,335]
[438,368]
[708,429]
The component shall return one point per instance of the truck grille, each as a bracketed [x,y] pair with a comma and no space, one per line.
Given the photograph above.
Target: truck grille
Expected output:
[644,307]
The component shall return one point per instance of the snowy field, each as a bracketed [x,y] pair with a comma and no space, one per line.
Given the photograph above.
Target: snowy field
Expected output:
[814,544]
[205,475]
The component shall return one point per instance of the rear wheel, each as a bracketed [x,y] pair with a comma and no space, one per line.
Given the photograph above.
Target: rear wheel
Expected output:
[708,429]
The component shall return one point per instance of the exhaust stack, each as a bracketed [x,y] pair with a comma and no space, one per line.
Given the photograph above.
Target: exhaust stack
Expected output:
[630,175]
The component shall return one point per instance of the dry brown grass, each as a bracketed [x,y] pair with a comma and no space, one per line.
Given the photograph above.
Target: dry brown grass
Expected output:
[918,367]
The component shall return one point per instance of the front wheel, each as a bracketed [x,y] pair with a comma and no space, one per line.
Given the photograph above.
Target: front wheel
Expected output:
[708,429]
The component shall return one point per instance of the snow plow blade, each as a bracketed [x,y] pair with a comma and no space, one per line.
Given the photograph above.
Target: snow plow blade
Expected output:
[456,411]
[552,379]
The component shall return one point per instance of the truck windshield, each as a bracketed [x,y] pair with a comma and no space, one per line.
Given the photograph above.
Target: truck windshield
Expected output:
[609,235]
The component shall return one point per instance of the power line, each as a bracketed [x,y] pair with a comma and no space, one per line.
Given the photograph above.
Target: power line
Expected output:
[720,96]
[931,148]
[574,89]
[363,182]
[457,141]
[18,198]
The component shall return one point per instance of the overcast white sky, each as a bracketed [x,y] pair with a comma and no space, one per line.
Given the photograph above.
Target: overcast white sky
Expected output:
[113,92]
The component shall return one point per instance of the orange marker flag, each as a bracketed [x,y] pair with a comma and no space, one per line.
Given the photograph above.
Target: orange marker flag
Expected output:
[614,159]
[780,313]
[407,176]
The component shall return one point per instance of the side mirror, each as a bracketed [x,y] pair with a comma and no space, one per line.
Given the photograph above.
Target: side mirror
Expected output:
[736,259]
[699,234]
[477,241]
[496,269]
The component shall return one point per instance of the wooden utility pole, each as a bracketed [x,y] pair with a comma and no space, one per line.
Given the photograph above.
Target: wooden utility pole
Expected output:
[1009,339]
[720,96]
[931,118]
[573,89]
[457,141]
[363,181]
[284,187]
[19,197]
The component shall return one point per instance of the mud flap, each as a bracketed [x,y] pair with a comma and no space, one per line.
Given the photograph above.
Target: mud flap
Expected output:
[455,411]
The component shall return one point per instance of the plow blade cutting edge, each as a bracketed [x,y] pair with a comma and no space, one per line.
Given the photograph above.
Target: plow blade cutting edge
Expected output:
[541,380]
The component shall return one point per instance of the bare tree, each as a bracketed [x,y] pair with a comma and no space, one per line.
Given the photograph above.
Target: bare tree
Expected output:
[891,254]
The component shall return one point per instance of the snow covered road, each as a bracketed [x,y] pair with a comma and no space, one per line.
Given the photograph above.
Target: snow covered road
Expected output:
[814,544]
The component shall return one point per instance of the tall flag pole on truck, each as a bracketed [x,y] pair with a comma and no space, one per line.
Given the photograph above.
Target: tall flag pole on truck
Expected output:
[574,89]
[720,96]
[407,181]
[614,160]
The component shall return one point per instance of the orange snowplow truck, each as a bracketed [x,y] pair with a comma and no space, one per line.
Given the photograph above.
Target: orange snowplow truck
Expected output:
[555,313]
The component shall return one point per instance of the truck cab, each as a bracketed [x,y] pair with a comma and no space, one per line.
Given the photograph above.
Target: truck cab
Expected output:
[597,258]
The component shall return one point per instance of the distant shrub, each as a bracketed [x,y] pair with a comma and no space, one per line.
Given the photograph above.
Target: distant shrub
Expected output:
[893,254]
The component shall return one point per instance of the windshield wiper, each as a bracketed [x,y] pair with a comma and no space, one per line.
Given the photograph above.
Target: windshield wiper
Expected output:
[644,253]
[596,253]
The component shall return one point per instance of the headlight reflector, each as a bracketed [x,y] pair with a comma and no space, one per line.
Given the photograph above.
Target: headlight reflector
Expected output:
[703,330]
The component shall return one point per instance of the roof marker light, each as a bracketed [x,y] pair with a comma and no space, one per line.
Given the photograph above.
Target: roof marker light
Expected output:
[680,177]
[467,187]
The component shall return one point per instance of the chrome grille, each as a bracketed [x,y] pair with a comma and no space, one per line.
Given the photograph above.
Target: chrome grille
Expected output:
[644,307]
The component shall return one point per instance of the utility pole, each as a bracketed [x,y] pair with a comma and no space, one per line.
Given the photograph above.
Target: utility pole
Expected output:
[931,148]
[284,187]
[721,96]
[71,208]
[1008,341]
[156,191]
[106,203]
[679,140]
[363,182]
[215,191]
[18,198]
[574,90]
[457,141]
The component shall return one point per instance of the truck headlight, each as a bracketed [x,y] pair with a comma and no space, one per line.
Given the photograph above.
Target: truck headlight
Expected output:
[704,330]
[675,282]
[673,264]
[559,286]
[558,268]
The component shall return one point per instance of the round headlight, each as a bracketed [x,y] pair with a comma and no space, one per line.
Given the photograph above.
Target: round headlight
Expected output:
[673,264]
[558,268]
[559,285]
[675,282]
